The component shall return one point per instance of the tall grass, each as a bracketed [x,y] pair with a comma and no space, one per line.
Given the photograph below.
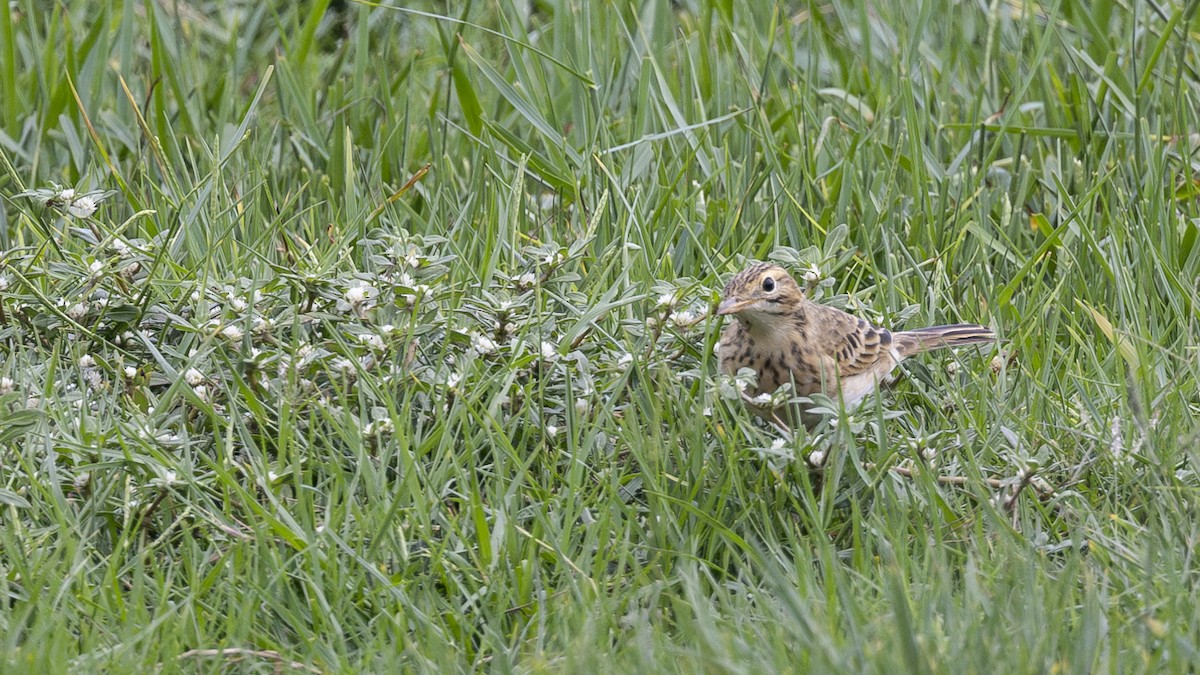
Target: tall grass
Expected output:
[390,346]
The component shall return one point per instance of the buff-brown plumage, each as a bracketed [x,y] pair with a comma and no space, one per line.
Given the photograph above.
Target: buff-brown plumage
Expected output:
[786,338]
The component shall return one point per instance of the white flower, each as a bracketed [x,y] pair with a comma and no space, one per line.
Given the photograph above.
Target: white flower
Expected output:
[356,295]
[813,274]
[551,430]
[387,329]
[624,360]
[232,332]
[405,279]
[762,399]
[778,444]
[77,311]
[526,279]
[235,303]
[666,300]
[201,392]
[3,282]
[372,341]
[379,427]
[96,267]
[7,385]
[121,248]
[951,367]
[82,207]
[193,377]
[549,351]
[412,258]
[483,344]
[582,406]
[130,372]
[683,319]
[817,458]
[86,361]
[65,196]
[453,379]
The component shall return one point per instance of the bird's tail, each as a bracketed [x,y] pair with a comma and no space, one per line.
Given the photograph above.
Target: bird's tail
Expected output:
[910,342]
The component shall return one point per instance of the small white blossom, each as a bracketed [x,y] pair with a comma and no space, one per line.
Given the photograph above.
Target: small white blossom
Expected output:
[379,427]
[582,406]
[683,319]
[232,332]
[387,329]
[3,282]
[82,207]
[551,430]
[813,274]
[952,367]
[666,300]
[762,399]
[817,458]
[65,196]
[483,344]
[624,360]
[130,372]
[96,267]
[549,351]
[236,303]
[453,379]
[121,248]
[93,378]
[201,392]
[86,361]
[77,311]
[778,444]
[372,341]
[7,385]
[356,295]
[193,377]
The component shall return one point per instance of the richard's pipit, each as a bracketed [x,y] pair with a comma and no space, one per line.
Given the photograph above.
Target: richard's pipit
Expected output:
[786,338]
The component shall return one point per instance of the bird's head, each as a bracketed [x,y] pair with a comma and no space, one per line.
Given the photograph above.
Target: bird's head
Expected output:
[759,292]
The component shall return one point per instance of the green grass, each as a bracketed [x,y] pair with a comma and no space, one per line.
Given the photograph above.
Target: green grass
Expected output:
[391,347]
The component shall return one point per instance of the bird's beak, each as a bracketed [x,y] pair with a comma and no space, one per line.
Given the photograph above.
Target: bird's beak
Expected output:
[731,306]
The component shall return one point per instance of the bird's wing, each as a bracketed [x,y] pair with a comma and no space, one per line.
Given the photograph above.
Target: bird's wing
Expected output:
[856,345]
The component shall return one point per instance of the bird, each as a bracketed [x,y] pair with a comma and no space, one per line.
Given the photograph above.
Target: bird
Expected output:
[785,338]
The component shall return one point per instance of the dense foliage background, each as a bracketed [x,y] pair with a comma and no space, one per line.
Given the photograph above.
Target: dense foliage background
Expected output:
[342,336]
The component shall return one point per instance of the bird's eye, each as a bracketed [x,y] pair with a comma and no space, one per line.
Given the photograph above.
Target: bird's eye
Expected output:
[768,284]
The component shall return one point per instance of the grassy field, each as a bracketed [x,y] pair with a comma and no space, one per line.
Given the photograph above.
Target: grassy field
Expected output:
[345,337]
